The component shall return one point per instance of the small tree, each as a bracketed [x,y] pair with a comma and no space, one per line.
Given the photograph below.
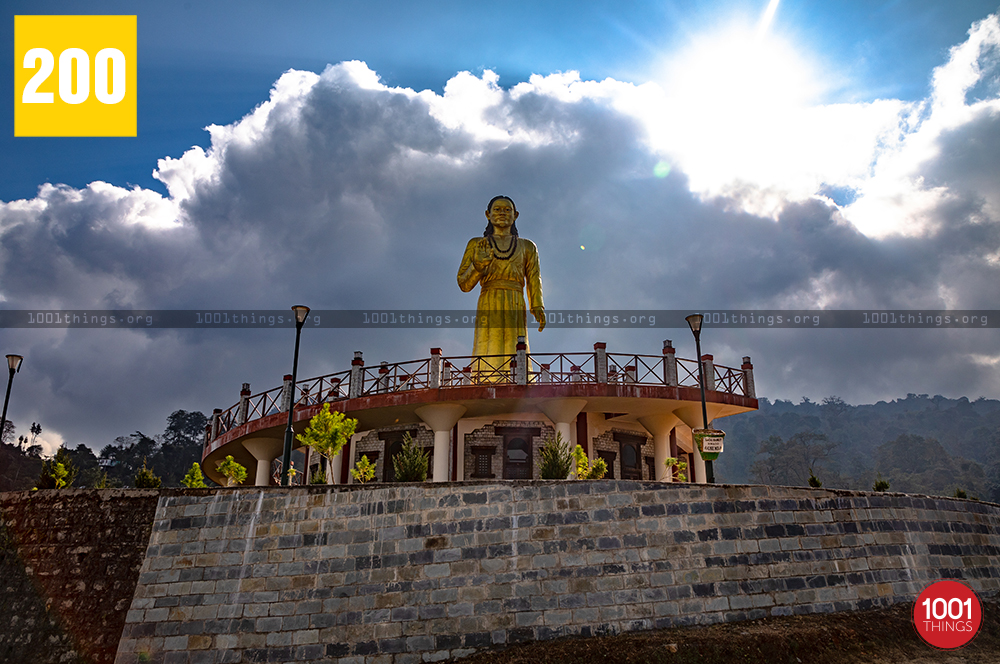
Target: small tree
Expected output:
[557,458]
[232,471]
[814,481]
[194,479]
[145,479]
[318,477]
[881,484]
[364,470]
[411,462]
[327,434]
[585,470]
[960,493]
[671,462]
[57,472]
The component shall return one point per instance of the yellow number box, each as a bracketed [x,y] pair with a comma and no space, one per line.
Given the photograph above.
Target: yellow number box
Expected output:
[75,76]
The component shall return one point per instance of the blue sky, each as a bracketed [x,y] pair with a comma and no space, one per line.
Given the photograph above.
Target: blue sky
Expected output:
[211,62]
[841,155]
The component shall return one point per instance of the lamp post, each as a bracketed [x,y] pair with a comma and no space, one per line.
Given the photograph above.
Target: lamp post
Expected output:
[301,312]
[694,321]
[14,364]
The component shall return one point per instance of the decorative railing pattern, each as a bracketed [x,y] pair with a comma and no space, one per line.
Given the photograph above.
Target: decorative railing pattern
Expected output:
[521,368]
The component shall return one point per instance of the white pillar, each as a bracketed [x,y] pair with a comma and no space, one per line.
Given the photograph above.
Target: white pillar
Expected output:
[441,418]
[691,416]
[265,450]
[660,425]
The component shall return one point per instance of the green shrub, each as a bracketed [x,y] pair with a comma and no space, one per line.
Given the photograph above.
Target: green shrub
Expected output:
[411,462]
[814,481]
[318,477]
[194,479]
[881,484]
[682,466]
[364,470]
[232,471]
[585,470]
[557,459]
[57,472]
[145,478]
[960,493]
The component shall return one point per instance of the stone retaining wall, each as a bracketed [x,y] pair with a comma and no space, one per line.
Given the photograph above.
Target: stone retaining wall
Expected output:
[69,562]
[408,573]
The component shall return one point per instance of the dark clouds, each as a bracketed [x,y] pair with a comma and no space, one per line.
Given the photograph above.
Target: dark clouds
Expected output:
[341,193]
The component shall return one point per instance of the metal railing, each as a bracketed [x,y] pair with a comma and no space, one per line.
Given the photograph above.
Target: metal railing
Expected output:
[443,372]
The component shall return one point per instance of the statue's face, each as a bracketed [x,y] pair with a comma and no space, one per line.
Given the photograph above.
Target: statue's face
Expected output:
[502,214]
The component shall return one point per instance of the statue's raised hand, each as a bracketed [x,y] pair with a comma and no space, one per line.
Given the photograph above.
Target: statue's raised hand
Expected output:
[483,255]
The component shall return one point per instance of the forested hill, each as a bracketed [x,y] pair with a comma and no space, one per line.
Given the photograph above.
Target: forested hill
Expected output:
[920,444]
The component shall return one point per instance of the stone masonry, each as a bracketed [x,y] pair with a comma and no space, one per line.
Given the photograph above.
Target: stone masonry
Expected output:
[69,563]
[408,572]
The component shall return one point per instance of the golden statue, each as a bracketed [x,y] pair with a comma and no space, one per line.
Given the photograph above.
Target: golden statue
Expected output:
[502,264]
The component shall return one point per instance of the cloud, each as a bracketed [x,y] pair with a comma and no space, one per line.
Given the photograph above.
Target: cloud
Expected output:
[341,192]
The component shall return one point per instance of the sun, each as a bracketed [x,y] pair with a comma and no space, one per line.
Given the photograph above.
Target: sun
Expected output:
[737,99]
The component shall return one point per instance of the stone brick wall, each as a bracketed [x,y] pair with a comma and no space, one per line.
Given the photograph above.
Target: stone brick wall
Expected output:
[605,442]
[485,436]
[69,562]
[408,573]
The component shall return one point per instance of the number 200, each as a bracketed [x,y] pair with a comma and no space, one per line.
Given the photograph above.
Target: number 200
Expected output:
[105,56]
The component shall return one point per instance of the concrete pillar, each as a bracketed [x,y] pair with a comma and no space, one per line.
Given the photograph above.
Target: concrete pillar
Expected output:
[241,416]
[749,389]
[356,387]
[446,374]
[546,376]
[383,378]
[707,361]
[521,372]
[696,474]
[286,393]
[265,450]
[601,361]
[669,364]
[434,381]
[630,373]
[562,413]
[216,416]
[659,425]
[441,418]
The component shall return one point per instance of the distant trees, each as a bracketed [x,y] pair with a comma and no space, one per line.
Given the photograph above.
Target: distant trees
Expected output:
[922,465]
[791,462]
[171,453]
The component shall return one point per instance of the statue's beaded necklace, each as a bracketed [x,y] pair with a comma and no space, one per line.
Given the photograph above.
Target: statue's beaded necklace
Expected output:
[503,255]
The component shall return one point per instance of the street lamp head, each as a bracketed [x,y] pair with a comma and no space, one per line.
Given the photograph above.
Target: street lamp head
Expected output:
[301,311]
[694,321]
[14,362]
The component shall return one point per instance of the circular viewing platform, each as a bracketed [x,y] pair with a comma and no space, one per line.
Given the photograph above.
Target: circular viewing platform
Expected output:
[488,416]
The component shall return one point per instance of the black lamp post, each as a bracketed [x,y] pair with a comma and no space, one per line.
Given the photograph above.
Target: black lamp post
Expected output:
[694,322]
[14,364]
[301,312]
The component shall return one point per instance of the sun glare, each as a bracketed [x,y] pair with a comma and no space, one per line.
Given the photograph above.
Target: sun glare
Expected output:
[730,93]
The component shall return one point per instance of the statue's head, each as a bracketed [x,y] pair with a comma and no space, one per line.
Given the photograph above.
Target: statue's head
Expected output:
[501,212]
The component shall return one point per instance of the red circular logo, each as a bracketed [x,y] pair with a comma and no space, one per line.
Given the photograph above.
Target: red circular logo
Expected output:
[947,614]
